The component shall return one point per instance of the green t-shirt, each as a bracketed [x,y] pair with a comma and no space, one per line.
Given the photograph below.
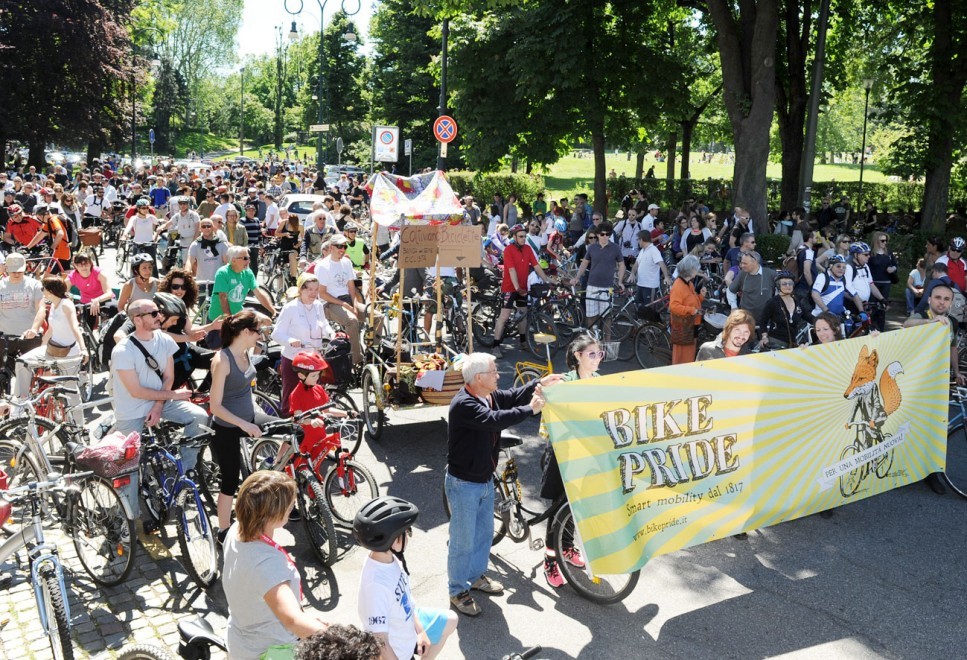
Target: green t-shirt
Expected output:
[236,285]
[539,206]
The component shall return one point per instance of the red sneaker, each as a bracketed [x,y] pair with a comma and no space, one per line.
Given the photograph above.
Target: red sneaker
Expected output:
[552,573]
[573,557]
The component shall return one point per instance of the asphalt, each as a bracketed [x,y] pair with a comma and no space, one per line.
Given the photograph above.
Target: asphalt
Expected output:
[882,578]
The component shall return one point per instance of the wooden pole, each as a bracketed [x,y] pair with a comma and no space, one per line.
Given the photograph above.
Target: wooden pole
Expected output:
[468,293]
[439,309]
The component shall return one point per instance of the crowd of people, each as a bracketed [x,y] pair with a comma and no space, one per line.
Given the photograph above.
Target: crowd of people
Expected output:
[221,217]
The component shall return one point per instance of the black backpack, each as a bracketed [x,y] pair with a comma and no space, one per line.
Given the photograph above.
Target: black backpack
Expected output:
[340,359]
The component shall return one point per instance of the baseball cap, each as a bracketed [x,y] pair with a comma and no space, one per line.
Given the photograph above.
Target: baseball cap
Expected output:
[653,207]
[252,205]
[16,263]
[339,239]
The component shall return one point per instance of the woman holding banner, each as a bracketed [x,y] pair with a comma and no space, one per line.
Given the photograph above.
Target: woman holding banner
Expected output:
[685,304]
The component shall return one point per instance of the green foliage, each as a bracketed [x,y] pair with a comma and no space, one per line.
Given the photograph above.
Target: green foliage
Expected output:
[772,247]
[484,186]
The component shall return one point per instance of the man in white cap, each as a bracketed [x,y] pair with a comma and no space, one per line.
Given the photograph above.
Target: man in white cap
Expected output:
[20,305]
[648,220]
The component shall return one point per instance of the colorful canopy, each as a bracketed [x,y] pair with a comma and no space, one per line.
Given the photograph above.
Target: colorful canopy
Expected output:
[424,199]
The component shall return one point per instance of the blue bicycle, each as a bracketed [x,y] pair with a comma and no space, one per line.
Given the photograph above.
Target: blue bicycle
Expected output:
[164,486]
[956,470]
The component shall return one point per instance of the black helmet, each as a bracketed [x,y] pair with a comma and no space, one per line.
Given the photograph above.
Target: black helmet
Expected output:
[170,305]
[380,522]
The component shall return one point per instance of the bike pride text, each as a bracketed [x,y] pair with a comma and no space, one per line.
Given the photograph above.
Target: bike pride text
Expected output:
[675,463]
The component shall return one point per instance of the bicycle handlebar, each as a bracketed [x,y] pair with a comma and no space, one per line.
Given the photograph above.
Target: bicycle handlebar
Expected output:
[529,653]
[58,482]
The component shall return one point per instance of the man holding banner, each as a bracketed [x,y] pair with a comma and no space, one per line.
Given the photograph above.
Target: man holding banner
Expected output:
[478,413]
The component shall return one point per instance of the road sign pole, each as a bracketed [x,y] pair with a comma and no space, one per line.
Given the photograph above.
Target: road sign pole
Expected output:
[372,152]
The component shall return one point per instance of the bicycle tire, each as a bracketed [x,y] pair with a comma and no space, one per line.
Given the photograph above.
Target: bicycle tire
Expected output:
[345,502]
[267,404]
[882,465]
[342,400]
[623,328]
[652,346]
[196,538]
[144,652]
[98,521]
[955,471]
[849,484]
[500,524]
[262,449]
[21,470]
[527,374]
[483,317]
[351,437]
[457,325]
[317,518]
[601,589]
[151,480]
[58,627]
[568,319]
[209,478]
[52,443]
[373,414]
[542,323]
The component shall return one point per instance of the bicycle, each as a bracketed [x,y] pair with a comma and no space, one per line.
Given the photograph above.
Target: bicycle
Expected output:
[165,485]
[514,520]
[525,372]
[955,471]
[347,484]
[315,513]
[866,437]
[528,310]
[46,571]
[100,522]
[197,639]
[615,325]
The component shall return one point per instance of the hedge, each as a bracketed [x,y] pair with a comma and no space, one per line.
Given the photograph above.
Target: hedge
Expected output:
[484,186]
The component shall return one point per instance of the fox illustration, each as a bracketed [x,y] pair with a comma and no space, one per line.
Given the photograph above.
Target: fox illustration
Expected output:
[874,403]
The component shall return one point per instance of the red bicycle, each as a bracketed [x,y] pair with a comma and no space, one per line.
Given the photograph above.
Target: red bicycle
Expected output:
[347,484]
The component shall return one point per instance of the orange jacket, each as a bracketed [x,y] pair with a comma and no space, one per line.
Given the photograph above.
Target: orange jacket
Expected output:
[683,300]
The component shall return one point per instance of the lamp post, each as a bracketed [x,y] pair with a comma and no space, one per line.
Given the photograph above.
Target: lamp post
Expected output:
[867,85]
[241,117]
[297,7]
[134,99]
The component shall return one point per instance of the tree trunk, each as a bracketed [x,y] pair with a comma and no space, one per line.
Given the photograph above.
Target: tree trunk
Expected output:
[600,181]
[688,126]
[639,165]
[791,98]
[747,46]
[36,156]
[671,144]
[792,145]
[529,167]
[513,164]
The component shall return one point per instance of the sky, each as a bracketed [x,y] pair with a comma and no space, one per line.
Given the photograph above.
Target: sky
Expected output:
[259,18]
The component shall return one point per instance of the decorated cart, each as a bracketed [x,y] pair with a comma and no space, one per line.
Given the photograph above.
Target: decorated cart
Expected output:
[403,368]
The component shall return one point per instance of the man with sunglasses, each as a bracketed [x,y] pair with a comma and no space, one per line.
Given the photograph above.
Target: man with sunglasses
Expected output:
[602,261]
[233,283]
[21,228]
[337,288]
[142,372]
[207,254]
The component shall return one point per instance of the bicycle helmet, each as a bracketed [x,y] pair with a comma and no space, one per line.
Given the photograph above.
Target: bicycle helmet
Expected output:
[380,522]
[141,258]
[516,228]
[784,275]
[957,244]
[170,305]
[560,225]
[184,200]
[307,362]
[859,247]
[837,259]
[142,202]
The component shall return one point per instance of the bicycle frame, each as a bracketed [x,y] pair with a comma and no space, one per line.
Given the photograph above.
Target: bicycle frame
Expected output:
[171,487]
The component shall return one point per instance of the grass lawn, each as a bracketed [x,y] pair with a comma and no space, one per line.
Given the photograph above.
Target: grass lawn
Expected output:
[574,174]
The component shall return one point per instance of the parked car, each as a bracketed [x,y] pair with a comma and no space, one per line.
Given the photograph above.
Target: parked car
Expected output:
[299,204]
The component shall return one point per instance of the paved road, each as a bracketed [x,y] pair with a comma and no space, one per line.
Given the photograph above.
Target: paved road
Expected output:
[882,578]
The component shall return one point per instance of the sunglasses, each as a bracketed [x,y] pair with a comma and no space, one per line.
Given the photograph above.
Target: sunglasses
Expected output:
[594,355]
[592,238]
[338,247]
[177,287]
[242,258]
[154,314]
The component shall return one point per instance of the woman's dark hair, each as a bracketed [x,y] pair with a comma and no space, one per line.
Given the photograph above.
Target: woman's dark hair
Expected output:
[232,326]
[191,287]
[578,344]
[833,322]
[82,258]
[938,243]
[339,642]
[55,285]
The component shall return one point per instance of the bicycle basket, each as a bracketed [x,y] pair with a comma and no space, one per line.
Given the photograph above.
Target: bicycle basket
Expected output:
[90,237]
[114,454]
[340,360]
[610,349]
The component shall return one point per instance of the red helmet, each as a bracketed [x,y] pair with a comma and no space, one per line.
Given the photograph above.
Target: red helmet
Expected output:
[307,362]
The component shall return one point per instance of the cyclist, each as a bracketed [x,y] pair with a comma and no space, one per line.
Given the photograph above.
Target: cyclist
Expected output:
[20,305]
[602,261]
[384,526]
[519,259]
[142,228]
[860,281]
[185,223]
[52,230]
[142,285]
[21,228]
[956,266]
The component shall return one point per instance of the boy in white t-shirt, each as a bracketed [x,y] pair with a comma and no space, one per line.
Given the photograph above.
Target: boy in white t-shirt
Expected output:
[386,608]
[648,268]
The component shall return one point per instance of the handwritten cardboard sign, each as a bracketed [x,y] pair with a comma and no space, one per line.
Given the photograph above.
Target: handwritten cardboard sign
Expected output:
[456,245]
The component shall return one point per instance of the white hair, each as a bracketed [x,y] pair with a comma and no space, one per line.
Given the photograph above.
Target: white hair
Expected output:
[475,364]
[237,251]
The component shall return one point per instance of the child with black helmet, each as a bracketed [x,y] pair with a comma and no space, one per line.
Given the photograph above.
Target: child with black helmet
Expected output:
[386,608]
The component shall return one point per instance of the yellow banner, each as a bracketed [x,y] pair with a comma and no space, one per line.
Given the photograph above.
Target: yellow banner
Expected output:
[662,459]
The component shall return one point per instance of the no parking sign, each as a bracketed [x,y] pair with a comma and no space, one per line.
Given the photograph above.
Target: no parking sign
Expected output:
[387,143]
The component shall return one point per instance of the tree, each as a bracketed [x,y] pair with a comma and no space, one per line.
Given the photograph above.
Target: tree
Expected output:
[85,50]
[746,37]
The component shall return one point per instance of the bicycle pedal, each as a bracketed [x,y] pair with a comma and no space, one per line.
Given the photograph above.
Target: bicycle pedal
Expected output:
[536,544]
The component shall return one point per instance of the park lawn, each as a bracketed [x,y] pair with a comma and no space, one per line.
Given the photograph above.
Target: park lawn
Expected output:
[573,174]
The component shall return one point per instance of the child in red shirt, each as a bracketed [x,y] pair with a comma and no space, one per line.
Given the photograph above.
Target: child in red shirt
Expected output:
[311,394]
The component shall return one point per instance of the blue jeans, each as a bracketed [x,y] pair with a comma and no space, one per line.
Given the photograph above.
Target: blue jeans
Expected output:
[912,300]
[471,531]
[645,295]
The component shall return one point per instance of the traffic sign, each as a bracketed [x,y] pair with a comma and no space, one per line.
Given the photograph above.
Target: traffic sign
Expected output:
[407,147]
[339,145]
[386,143]
[318,128]
[445,129]
[151,135]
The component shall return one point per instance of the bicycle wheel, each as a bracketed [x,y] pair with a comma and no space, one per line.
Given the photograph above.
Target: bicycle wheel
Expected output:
[373,402]
[264,449]
[103,534]
[347,495]
[601,589]
[652,346]
[457,325]
[850,483]
[342,400]
[317,518]
[568,319]
[21,469]
[351,436]
[54,605]
[144,652]
[196,538]
[267,404]
[53,444]
[209,478]
[483,316]
[623,328]
[155,472]
[956,470]
[527,374]
[542,323]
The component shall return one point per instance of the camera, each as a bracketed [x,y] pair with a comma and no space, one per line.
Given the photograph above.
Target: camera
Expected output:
[626,244]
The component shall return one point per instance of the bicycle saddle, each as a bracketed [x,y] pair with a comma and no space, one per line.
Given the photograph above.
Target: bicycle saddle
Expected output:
[199,631]
[508,441]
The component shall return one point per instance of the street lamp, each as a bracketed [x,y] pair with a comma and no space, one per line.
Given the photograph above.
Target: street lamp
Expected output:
[867,85]
[297,6]
[241,117]
[154,63]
